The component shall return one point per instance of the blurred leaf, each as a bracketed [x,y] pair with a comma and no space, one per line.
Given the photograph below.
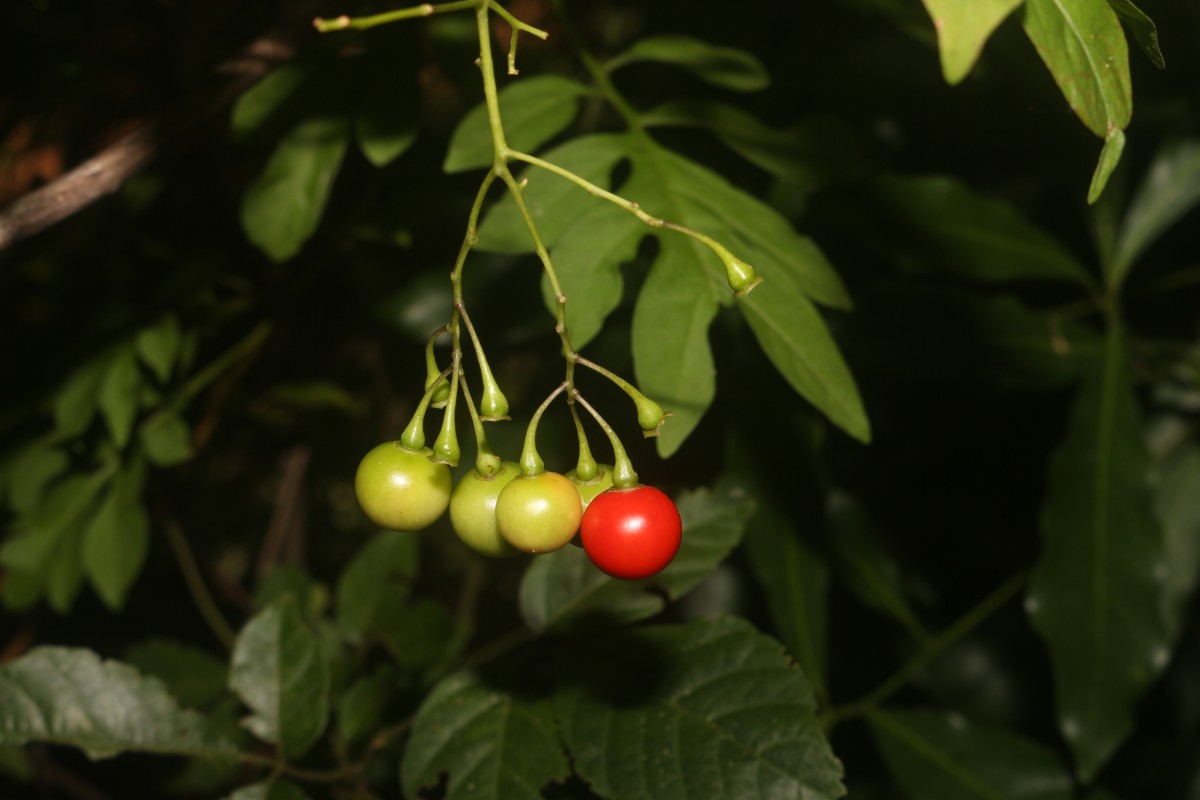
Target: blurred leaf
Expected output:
[794,578]
[314,395]
[963,29]
[118,398]
[793,335]
[277,789]
[1096,595]
[379,580]
[534,109]
[69,696]
[710,709]
[165,438]
[194,677]
[492,744]
[283,206]
[32,471]
[76,400]
[117,538]
[671,355]
[869,570]
[36,535]
[159,345]
[360,708]
[278,668]
[564,588]
[294,582]
[1177,505]
[1144,30]
[587,260]
[15,764]
[726,67]
[64,573]
[936,755]
[1082,44]
[554,202]
[1110,156]
[975,236]
[389,117]
[812,153]
[1170,189]
[417,635]
[261,100]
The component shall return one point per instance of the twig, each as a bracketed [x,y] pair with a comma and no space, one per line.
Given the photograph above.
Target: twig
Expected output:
[106,172]
[195,583]
[287,507]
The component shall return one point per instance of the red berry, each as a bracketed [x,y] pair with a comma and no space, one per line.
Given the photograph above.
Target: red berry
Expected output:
[631,533]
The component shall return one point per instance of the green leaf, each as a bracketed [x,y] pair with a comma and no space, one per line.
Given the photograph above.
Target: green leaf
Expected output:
[587,260]
[361,707]
[69,696]
[291,581]
[194,677]
[1169,191]
[963,29]
[535,110]
[37,535]
[936,755]
[1177,505]
[563,588]
[15,763]
[32,471]
[1096,595]
[118,397]
[388,119]
[726,67]
[491,743]
[974,236]
[1144,29]
[710,709]
[264,98]
[158,346]
[1110,156]
[1082,44]
[279,670]
[554,203]
[64,573]
[379,580]
[419,635]
[76,400]
[794,578]
[671,355]
[869,570]
[165,438]
[117,538]
[284,204]
[795,338]
[277,789]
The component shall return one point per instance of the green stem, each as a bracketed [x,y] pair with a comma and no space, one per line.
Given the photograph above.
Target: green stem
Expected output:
[650,414]
[413,437]
[964,625]
[216,368]
[624,476]
[195,583]
[362,23]
[586,469]
[531,462]
[487,463]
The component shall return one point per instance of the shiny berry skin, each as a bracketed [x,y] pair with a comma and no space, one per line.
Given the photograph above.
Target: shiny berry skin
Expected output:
[631,533]
[473,511]
[401,489]
[539,513]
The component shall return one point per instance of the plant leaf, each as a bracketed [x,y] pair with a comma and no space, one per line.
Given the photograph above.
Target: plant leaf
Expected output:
[535,110]
[378,580]
[587,260]
[361,706]
[937,754]
[158,346]
[1144,30]
[671,355]
[1082,44]
[69,696]
[1170,189]
[1110,156]
[165,438]
[117,538]
[562,588]
[260,101]
[1177,505]
[277,789]
[75,401]
[37,534]
[1096,595]
[963,29]
[118,397]
[194,677]
[795,338]
[32,471]
[279,670]
[388,119]
[726,67]
[710,709]
[493,744]
[974,236]
[284,204]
